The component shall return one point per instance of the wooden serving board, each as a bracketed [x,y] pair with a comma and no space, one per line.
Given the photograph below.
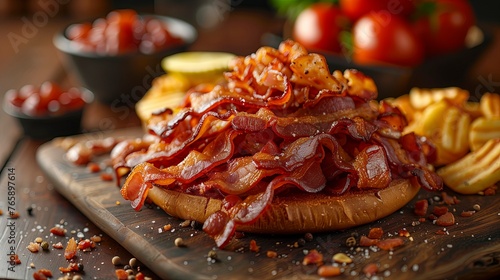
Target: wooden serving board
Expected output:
[469,249]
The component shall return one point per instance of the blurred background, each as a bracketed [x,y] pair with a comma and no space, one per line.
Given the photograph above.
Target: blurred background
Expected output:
[222,21]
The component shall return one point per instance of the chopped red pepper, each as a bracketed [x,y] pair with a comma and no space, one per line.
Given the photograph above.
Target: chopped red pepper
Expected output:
[439,210]
[366,242]
[390,243]
[313,257]
[70,250]
[375,233]
[59,231]
[421,207]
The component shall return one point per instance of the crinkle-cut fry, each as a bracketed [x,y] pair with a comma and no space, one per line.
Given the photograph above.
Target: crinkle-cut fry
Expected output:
[473,109]
[167,91]
[490,105]
[404,104]
[483,129]
[476,171]
[448,128]
[421,98]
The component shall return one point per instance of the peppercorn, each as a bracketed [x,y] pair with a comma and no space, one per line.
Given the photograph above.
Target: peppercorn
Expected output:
[301,242]
[45,245]
[212,254]
[308,236]
[30,211]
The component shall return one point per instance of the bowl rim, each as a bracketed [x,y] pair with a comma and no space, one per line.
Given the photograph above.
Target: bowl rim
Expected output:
[12,111]
[177,26]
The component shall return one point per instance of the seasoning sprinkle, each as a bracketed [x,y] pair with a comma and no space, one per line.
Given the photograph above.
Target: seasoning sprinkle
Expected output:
[45,245]
[30,211]
[351,241]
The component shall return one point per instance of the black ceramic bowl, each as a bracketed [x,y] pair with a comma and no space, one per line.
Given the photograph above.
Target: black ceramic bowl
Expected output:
[49,126]
[123,78]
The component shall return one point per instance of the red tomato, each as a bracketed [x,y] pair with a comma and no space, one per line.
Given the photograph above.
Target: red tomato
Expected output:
[318,27]
[355,9]
[443,24]
[46,99]
[79,31]
[49,91]
[386,40]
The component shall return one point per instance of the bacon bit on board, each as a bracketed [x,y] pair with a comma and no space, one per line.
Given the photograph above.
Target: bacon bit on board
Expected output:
[468,213]
[14,215]
[490,190]
[46,272]
[450,200]
[421,207]
[59,231]
[329,270]
[313,257]
[441,232]
[15,259]
[42,274]
[404,233]
[445,220]
[167,227]
[370,269]
[95,239]
[85,244]
[432,217]
[57,245]
[33,247]
[105,176]
[121,274]
[253,246]
[390,243]
[376,233]
[271,254]
[72,267]
[367,242]
[70,250]
[93,167]
[439,210]
[140,276]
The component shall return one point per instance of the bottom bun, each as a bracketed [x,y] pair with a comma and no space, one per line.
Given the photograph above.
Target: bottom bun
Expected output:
[290,214]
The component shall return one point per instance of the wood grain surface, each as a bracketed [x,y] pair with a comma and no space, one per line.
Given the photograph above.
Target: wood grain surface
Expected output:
[470,249]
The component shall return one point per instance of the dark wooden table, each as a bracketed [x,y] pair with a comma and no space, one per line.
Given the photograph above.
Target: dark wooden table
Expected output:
[35,60]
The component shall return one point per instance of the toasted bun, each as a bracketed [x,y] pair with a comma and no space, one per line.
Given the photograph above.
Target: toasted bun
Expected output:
[307,212]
